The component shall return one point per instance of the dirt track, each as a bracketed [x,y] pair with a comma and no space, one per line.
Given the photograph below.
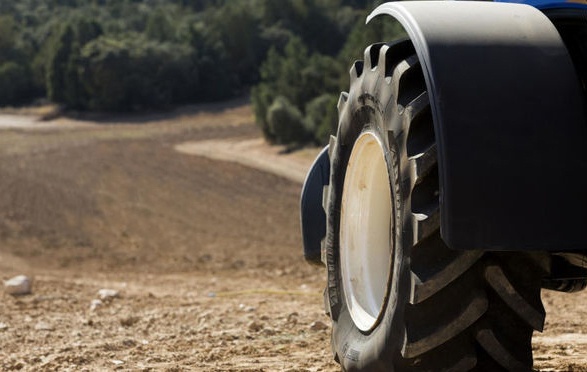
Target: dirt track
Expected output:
[205,253]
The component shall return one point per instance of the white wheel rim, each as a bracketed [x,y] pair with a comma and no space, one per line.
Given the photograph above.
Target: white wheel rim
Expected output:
[365,231]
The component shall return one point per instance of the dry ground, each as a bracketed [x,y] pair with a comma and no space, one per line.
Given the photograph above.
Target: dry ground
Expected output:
[205,252]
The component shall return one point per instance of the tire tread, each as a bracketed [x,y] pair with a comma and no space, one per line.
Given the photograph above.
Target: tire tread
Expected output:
[478,292]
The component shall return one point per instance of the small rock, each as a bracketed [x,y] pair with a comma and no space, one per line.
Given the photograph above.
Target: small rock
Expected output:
[269,332]
[117,362]
[96,304]
[43,326]
[247,309]
[302,343]
[205,258]
[3,326]
[292,318]
[87,322]
[238,264]
[129,321]
[129,343]
[108,294]
[255,326]
[18,286]
[318,326]
[16,366]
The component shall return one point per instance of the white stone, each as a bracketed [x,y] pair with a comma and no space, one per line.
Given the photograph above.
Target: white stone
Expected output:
[17,286]
[108,294]
[247,309]
[43,326]
[95,304]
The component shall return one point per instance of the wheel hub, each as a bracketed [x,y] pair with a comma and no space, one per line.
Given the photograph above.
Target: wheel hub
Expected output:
[366,246]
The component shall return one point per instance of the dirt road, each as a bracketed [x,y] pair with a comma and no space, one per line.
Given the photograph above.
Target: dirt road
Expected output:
[204,253]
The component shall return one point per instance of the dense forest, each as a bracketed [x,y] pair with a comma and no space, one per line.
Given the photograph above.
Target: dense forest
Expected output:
[127,55]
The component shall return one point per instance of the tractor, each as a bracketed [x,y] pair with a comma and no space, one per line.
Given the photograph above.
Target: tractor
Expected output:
[455,188]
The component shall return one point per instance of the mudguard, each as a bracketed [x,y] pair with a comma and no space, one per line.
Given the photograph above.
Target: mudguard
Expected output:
[510,124]
[313,216]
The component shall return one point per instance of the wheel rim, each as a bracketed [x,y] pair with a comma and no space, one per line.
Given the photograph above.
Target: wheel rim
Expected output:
[365,231]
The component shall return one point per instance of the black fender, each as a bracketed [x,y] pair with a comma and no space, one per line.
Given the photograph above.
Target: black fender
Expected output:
[312,214]
[509,117]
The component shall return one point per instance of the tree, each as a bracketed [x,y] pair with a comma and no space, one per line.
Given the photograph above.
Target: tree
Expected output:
[133,73]
[62,71]
[8,35]
[217,79]
[378,30]
[314,22]
[237,27]
[220,45]
[159,26]
[298,78]
[15,84]
[59,64]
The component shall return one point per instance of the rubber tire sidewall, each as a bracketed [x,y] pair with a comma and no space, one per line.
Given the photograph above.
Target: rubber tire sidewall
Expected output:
[376,349]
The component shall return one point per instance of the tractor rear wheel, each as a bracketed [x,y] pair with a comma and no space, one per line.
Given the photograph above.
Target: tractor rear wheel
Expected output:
[399,298]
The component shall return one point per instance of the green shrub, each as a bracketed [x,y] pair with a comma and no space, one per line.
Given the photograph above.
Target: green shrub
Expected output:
[14,83]
[322,117]
[261,98]
[286,122]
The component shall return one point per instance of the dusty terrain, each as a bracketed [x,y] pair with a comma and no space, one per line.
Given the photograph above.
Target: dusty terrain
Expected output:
[205,252]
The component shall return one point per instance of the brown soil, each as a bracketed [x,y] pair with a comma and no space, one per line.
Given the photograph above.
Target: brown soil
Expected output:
[206,253]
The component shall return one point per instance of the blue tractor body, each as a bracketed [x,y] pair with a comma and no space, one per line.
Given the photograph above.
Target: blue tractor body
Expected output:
[550,4]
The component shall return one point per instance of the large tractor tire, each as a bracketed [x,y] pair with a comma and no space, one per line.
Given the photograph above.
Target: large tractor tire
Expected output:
[399,299]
